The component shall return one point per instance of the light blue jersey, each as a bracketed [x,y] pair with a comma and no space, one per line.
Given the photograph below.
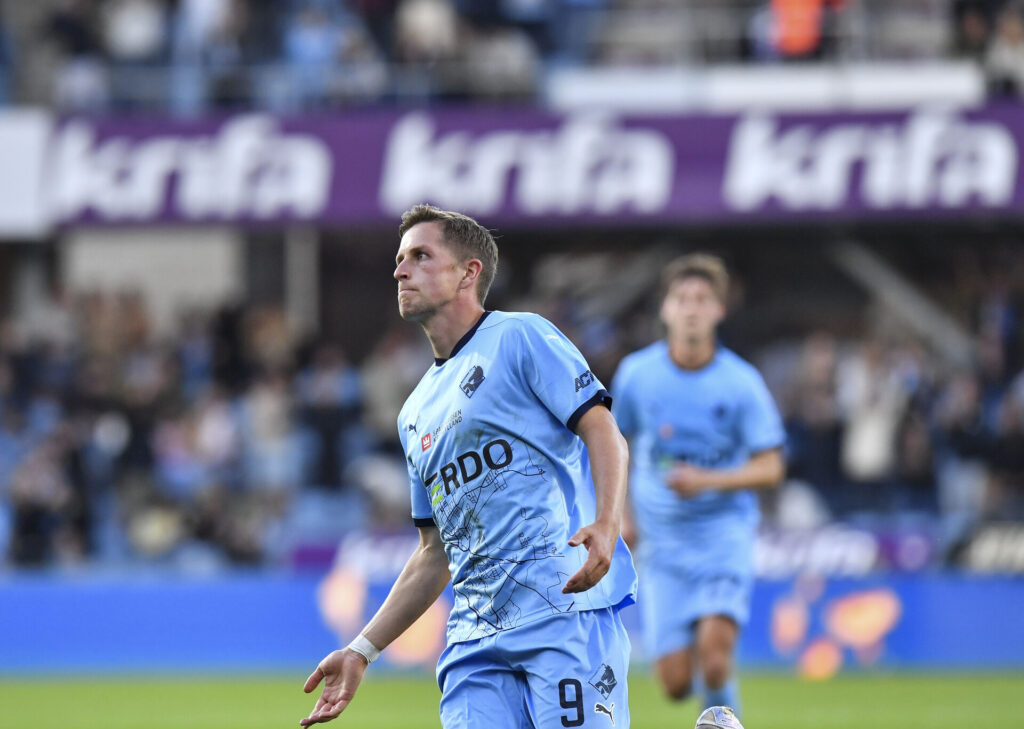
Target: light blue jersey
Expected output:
[696,553]
[715,417]
[494,461]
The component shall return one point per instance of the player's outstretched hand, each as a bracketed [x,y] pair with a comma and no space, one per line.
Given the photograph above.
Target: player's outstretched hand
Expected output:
[341,672]
[600,543]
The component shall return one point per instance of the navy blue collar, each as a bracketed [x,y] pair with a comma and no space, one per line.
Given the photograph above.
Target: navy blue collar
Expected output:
[462,342]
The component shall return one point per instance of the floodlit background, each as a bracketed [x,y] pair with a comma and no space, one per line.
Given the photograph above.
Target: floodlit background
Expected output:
[201,363]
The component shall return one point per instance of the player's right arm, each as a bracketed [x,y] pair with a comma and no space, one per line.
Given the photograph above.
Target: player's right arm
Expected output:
[624,411]
[422,580]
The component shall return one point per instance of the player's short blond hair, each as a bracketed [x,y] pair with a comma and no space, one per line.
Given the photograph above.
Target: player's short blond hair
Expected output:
[463,235]
[700,265]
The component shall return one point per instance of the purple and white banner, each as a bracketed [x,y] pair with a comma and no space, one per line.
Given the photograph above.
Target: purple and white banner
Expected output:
[510,167]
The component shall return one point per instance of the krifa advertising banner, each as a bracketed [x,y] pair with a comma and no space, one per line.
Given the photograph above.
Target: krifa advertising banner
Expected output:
[509,167]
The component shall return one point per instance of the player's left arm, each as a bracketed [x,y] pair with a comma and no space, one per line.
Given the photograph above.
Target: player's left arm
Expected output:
[609,467]
[759,431]
[763,470]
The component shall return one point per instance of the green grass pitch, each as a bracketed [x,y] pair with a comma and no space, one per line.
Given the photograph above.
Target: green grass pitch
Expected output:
[877,701]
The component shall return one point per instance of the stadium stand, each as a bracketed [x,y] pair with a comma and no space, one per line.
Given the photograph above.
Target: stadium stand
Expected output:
[121,439]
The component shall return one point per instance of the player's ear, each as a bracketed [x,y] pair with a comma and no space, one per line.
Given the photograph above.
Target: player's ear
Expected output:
[663,312]
[473,269]
[722,310]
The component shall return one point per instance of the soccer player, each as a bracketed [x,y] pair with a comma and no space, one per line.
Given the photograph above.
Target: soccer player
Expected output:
[704,433]
[518,476]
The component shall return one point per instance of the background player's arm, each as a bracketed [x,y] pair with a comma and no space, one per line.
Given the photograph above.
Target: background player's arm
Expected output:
[421,582]
[609,460]
[763,470]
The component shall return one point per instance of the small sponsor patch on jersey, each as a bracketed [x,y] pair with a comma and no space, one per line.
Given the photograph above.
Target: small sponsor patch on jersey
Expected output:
[584,380]
[472,381]
[426,441]
[600,708]
[453,420]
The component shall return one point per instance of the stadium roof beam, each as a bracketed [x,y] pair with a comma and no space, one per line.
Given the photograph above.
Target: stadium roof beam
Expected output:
[906,302]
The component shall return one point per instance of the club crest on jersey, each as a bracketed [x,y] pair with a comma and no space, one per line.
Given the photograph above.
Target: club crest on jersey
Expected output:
[472,381]
[604,680]
[425,442]
[584,380]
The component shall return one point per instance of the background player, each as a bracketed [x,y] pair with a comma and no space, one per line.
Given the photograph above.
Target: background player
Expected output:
[504,492]
[704,432]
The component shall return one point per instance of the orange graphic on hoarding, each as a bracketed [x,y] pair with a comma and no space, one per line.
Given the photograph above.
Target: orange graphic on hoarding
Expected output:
[862,620]
[342,600]
[422,643]
[821,660]
[789,624]
[859,622]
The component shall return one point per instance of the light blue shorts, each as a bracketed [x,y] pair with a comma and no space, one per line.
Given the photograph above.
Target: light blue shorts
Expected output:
[568,670]
[672,600]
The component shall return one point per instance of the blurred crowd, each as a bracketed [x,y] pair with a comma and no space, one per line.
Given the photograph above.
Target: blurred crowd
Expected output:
[884,426]
[992,34]
[233,442]
[186,56]
[223,445]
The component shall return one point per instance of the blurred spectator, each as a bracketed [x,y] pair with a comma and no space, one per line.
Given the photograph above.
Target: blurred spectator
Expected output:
[645,36]
[330,57]
[793,30]
[135,31]
[49,513]
[270,445]
[426,32]
[379,18]
[1005,499]
[330,395]
[312,47]
[505,64]
[389,374]
[814,424]
[6,64]
[972,33]
[1005,59]
[199,25]
[872,401]
[209,47]
[964,445]
[915,465]
[81,82]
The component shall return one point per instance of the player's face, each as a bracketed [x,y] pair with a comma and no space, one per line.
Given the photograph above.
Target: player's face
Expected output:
[428,273]
[691,311]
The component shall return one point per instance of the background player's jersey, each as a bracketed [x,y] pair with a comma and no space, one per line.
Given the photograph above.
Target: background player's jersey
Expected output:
[493,460]
[714,417]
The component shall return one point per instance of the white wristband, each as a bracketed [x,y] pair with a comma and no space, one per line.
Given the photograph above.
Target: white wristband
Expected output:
[365,648]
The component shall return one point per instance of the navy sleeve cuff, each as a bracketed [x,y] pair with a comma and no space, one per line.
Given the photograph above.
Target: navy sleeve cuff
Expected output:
[602,397]
[429,521]
[754,450]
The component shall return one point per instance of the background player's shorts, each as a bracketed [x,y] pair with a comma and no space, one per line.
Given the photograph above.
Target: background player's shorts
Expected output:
[568,670]
[672,600]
